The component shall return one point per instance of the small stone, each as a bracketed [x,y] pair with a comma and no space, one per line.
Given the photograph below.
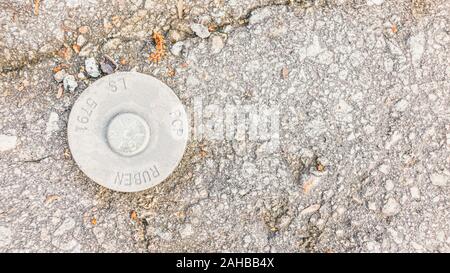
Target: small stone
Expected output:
[52,123]
[86,50]
[81,41]
[83,29]
[92,67]
[228,29]
[391,208]
[401,105]
[177,48]
[374,2]
[389,185]
[66,226]
[343,107]
[417,246]
[438,179]
[186,231]
[6,236]
[395,138]
[112,44]
[108,65]
[70,84]
[310,209]
[440,235]
[59,76]
[7,143]
[81,76]
[175,36]
[192,81]
[217,44]
[396,236]
[417,47]
[258,16]
[341,210]
[415,192]
[384,168]
[373,246]
[200,30]
[136,4]
[372,206]
[70,24]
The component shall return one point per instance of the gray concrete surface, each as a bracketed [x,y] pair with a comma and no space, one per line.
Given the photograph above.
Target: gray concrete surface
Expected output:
[362,159]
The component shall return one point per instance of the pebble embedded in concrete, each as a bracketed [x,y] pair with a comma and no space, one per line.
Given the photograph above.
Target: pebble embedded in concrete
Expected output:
[439,179]
[91,67]
[81,40]
[177,48]
[415,192]
[108,65]
[52,123]
[200,30]
[374,2]
[7,142]
[217,44]
[311,209]
[60,75]
[391,207]
[70,83]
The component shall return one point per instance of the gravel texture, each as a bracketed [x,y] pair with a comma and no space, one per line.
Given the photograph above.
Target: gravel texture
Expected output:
[360,161]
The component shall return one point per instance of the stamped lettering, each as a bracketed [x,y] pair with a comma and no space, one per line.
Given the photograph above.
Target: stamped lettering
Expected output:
[116,84]
[177,124]
[137,178]
[87,109]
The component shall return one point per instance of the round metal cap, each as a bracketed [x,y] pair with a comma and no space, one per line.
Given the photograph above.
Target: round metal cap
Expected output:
[128,131]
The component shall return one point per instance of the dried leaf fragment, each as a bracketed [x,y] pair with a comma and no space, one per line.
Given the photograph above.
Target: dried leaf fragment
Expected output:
[160,45]
[203,153]
[36,7]
[310,183]
[67,153]
[56,69]
[212,27]
[83,29]
[394,29]
[170,72]
[284,73]
[320,167]
[59,95]
[51,198]
[180,7]
[133,215]
[65,53]
[123,61]
[76,48]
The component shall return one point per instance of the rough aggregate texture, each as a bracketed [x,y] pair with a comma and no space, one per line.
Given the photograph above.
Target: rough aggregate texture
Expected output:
[362,89]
